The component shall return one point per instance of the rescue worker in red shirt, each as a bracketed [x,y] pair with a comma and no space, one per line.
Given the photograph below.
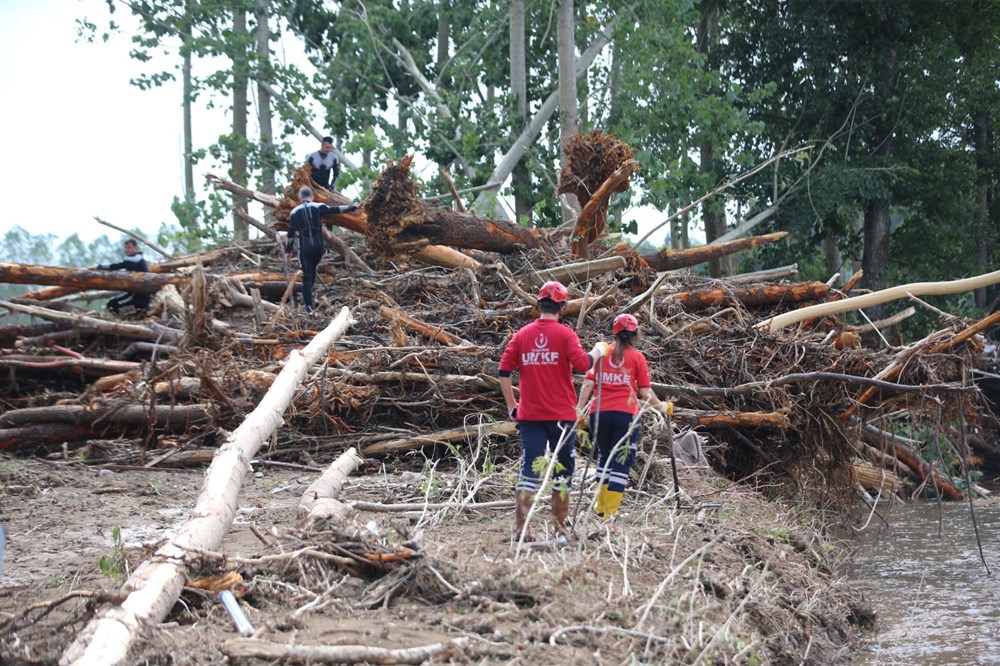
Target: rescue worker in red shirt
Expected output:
[545,353]
[624,379]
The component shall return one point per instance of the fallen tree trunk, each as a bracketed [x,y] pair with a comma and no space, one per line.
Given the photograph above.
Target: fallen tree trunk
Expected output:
[878,297]
[581,271]
[727,419]
[400,222]
[80,279]
[128,414]
[433,332]
[751,295]
[671,260]
[90,366]
[30,436]
[52,293]
[86,323]
[434,255]
[319,501]
[338,654]
[157,583]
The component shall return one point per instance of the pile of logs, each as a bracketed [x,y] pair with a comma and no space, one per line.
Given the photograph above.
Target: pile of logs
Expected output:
[794,398]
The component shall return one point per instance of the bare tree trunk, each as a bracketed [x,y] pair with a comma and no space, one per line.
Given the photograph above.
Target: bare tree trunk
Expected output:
[569,119]
[519,89]
[981,124]
[188,93]
[876,250]
[267,156]
[444,35]
[713,215]
[241,77]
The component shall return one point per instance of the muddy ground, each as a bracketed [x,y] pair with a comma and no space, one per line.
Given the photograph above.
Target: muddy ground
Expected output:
[729,577]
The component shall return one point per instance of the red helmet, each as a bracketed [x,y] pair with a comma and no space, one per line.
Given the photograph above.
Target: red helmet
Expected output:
[624,322]
[555,291]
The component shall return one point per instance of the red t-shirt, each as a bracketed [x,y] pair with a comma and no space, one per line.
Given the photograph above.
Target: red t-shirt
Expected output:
[620,385]
[545,353]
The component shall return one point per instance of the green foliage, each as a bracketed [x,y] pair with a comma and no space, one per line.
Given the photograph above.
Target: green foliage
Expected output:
[115,564]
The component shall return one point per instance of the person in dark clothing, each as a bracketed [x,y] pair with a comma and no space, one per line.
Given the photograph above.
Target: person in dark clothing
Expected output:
[325,164]
[133,261]
[306,222]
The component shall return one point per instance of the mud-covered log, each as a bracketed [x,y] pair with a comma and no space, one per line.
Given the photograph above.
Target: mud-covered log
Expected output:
[670,260]
[400,222]
[82,278]
[581,271]
[752,295]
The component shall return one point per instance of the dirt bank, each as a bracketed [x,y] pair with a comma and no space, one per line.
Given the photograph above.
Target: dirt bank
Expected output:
[728,578]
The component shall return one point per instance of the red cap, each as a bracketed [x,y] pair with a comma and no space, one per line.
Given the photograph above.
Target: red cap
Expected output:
[624,322]
[555,291]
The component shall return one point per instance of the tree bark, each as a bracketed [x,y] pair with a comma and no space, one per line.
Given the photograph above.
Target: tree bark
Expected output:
[157,583]
[187,88]
[241,80]
[85,323]
[250,648]
[507,428]
[752,295]
[84,278]
[319,501]
[569,121]
[669,260]
[981,216]
[268,158]
[42,435]
[129,415]
[519,91]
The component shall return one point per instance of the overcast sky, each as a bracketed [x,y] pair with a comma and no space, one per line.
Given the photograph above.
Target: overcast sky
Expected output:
[80,141]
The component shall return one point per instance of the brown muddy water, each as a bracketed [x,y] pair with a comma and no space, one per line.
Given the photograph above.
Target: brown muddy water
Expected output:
[936,603]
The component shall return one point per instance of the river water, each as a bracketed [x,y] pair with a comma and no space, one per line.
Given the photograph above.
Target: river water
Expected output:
[935,601]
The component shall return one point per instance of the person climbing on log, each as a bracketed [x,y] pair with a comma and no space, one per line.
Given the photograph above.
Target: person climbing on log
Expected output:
[325,165]
[133,261]
[545,353]
[624,379]
[307,221]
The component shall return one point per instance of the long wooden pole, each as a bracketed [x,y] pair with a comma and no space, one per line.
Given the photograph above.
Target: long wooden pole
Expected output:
[157,583]
[775,324]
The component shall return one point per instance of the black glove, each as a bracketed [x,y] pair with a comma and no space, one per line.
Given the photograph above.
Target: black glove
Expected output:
[512,413]
[102,267]
[351,208]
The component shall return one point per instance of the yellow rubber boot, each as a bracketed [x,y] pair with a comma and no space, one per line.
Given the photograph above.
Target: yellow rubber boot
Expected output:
[612,501]
[599,506]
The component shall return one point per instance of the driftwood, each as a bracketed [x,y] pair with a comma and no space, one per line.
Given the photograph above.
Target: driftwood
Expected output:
[250,648]
[902,450]
[670,260]
[86,323]
[157,583]
[129,414]
[728,419]
[45,434]
[751,295]
[399,222]
[806,323]
[878,297]
[436,333]
[88,366]
[319,501]
[507,428]
[83,278]
[581,271]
